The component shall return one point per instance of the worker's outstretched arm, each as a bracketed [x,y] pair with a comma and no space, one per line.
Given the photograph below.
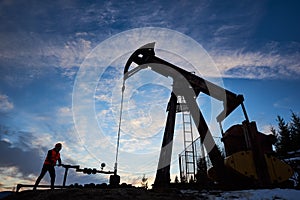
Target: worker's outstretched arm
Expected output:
[59,161]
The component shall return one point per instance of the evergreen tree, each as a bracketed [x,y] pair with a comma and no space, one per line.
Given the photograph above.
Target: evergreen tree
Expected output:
[144,182]
[191,179]
[283,144]
[277,143]
[201,176]
[288,139]
[288,135]
[295,131]
[183,179]
[273,130]
[176,179]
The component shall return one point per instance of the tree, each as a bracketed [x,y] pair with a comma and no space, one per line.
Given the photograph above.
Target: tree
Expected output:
[144,182]
[183,179]
[201,176]
[287,134]
[176,179]
[191,180]
[295,131]
[283,144]
[288,140]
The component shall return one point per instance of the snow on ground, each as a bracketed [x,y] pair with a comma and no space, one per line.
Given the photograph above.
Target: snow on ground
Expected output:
[288,194]
[142,194]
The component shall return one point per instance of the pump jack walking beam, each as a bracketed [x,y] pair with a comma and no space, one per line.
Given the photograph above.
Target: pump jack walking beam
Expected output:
[188,85]
[145,57]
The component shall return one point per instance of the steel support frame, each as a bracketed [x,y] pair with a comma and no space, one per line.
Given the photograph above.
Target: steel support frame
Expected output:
[162,178]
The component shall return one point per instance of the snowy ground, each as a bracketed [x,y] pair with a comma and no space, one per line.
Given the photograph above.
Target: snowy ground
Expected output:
[142,194]
[248,194]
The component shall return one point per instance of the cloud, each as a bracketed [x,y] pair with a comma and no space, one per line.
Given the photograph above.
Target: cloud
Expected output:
[42,38]
[223,30]
[74,52]
[25,161]
[39,51]
[64,116]
[258,64]
[28,162]
[11,176]
[266,129]
[238,49]
[5,104]
[65,111]
[283,103]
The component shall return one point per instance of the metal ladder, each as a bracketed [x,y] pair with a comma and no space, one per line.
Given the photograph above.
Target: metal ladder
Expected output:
[189,151]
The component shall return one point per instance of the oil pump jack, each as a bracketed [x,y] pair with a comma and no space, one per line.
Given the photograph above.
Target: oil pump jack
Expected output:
[249,160]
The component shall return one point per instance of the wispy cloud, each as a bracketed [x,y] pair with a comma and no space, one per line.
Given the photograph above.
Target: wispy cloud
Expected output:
[39,41]
[257,64]
[11,176]
[282,103]
[5,104]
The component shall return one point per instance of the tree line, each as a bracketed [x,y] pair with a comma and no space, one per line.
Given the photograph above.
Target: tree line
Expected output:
[288,135]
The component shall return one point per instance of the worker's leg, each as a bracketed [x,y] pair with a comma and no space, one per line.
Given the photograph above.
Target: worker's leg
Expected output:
[43,172]
[52,176]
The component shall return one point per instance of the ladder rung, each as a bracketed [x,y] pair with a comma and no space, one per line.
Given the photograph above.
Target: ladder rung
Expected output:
[191,154]
[189,151]
[188,141]
[187,160]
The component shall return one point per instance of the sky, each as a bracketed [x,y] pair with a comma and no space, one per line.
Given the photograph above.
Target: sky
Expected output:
[61,70]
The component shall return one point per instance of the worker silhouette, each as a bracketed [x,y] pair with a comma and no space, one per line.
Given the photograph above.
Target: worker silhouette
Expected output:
[52,157]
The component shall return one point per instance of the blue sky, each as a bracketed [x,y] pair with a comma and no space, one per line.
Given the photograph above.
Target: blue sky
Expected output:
[46,45]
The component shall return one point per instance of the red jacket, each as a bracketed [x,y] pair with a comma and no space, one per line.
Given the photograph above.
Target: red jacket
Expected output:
[52,157]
